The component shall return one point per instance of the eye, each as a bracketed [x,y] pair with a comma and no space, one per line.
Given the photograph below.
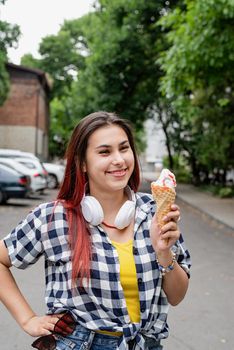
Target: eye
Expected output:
[124,148]
[104,151]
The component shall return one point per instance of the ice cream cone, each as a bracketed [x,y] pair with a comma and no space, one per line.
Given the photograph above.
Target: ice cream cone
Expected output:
[164,198]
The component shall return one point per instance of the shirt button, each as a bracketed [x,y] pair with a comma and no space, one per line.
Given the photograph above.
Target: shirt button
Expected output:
[142,309]
[140,281]
[135,251]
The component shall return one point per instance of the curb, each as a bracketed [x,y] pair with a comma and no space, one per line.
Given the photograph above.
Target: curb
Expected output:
[206,214]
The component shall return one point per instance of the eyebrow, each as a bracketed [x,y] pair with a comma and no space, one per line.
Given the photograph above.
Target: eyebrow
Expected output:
[108,146]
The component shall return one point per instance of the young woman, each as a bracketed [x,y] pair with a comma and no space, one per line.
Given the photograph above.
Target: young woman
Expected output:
[103,251]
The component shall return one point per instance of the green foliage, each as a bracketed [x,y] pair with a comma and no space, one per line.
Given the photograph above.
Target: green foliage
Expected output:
[219,190]
[198,78]
[4,79]
[120,73]
[61,124]
[29,61]
[226,192]
[9,34]
[201,42]
[180,169]
[8,38]
[140,140]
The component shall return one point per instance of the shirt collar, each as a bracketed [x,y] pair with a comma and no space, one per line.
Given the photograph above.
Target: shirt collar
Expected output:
[145,202]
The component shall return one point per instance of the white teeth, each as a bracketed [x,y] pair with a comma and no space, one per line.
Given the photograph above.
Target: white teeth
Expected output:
[117,171]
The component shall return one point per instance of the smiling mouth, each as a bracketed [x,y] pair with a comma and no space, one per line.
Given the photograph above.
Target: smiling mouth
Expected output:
[117,173]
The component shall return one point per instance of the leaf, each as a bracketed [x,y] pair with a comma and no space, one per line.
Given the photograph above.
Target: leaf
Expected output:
[223,102]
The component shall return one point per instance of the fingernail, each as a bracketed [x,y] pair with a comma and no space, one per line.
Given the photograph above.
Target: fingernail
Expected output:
[165,218]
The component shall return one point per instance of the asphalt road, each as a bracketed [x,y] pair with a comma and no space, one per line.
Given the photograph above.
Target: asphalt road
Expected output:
[203,321]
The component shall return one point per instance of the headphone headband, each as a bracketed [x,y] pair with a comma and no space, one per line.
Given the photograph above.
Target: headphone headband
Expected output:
[93,212]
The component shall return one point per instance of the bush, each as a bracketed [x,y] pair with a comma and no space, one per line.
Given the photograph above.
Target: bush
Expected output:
[181,170]
[218,190]
[226,192]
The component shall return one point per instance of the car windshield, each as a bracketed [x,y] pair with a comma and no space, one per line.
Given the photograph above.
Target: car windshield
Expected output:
[4,169]
[28,164]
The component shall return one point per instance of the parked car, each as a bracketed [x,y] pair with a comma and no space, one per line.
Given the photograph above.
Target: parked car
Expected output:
[34,164]
[14,153]
[38,183]
[55,174]
[30,161]
[12,184]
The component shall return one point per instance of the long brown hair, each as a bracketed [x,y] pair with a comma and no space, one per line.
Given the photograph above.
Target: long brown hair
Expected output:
[73,187]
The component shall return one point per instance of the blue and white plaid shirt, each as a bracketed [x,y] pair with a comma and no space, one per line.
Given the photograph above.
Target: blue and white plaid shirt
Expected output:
[101,304]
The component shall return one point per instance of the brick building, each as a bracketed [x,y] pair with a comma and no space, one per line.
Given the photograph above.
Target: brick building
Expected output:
[24,117]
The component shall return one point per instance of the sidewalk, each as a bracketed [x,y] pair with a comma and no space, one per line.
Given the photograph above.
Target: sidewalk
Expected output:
[219,209]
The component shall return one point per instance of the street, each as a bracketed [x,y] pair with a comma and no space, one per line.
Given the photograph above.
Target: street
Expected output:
[203,321]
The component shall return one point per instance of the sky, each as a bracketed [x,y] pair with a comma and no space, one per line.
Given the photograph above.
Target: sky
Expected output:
[37,19]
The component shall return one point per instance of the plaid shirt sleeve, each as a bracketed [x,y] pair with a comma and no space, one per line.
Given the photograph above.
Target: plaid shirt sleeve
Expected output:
[182,255]
[24,242]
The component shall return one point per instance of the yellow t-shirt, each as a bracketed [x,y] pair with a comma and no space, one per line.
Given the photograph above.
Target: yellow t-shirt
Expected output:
[128,279]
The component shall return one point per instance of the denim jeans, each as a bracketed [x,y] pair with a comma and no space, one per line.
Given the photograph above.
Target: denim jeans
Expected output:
[84,339]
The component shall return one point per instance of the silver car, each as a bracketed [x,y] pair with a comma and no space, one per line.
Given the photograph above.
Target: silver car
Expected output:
[40,174]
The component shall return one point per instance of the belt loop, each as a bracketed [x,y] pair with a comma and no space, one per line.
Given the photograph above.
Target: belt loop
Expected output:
[87,344]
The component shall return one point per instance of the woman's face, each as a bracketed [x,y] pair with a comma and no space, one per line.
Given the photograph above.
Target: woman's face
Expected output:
[109,159]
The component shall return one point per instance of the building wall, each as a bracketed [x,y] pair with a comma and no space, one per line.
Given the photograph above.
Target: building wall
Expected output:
[14,137]
[155,137]
[25,114]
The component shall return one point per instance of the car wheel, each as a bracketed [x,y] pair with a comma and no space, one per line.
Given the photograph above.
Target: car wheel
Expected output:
[3,198]
[52,181]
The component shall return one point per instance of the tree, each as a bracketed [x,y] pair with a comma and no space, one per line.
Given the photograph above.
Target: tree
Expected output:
[198,78]
[121,73]
[62,56]
[8,38]
[113,52]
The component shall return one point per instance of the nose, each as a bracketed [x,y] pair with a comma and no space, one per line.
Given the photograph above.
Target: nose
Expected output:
[117,158]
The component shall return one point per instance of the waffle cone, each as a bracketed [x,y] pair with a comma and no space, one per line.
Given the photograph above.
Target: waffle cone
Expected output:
[164,198]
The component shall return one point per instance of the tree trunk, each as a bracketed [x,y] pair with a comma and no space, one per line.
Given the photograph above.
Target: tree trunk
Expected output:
[195,171]
[168,144]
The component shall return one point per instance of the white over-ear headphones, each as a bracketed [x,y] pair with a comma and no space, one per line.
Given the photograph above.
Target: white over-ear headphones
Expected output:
[93,212]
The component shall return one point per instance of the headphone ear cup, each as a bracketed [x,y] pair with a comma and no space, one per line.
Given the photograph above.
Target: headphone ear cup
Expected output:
[92,210]
[125,215]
